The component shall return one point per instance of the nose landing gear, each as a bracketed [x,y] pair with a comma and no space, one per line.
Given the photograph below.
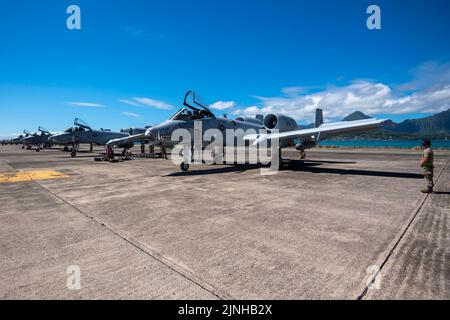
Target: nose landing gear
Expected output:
[74,150]
[184,166]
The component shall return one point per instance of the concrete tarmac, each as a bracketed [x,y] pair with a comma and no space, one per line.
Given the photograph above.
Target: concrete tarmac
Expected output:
[345,224]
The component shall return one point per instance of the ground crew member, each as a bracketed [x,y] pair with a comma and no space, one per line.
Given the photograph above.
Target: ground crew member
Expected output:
[109,153]
[164,153]
[128,154]
[427,165]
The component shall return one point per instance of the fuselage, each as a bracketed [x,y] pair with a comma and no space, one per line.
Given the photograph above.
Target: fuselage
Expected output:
[166,134]
[37,139]
[96,137]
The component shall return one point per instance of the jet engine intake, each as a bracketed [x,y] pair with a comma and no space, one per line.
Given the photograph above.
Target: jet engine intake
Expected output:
[279,122]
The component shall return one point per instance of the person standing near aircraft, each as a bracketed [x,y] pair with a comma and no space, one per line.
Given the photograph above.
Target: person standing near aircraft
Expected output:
[164,153]
[428,165]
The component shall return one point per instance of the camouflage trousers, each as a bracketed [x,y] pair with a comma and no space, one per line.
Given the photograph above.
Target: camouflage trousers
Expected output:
[428,174]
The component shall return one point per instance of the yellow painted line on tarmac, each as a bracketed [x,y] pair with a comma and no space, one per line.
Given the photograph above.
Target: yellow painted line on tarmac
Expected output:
[31,175]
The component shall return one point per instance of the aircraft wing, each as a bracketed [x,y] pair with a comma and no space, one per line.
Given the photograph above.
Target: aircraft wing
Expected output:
[127,140]
[329,128]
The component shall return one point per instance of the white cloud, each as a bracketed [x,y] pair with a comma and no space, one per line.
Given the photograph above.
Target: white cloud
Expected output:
[222,105]
[153,103]
[129,102]
[131,114]
[85,104]
[148,102]
[293,91]
[431,94]
[249,111]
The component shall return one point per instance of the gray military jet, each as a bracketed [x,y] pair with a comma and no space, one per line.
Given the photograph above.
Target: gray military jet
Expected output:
[19,139]
[278,127]
[84,134]
[39,139]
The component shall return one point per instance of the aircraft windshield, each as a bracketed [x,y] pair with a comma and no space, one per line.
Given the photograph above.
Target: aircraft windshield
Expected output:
[81,123]
[78,129]
[186,114]
[42,129]
[196,103]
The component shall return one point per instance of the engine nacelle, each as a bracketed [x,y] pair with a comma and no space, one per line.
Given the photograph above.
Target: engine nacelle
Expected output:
[127,130]
[305,145]
[279,122]
[249,119]
[133,131]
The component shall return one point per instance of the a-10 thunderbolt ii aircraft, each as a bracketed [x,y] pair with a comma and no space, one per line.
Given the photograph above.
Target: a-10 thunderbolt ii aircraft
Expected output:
[268,128]
[19,139]
[40,139]
[84,134]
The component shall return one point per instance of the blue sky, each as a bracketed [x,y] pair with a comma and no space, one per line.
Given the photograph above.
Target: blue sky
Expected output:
[132,61]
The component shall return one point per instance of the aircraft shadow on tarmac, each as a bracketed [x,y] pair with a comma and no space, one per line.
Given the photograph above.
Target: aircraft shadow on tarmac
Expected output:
[442,192]
[214,170]
[311,166]
[90,155]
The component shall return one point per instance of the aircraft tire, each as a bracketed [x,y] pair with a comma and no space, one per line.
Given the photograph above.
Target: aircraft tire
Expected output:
[184,166]
[73,154]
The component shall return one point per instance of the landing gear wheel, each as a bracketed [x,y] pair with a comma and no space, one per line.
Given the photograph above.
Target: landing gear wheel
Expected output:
[184,166]
[37,150]
[73,154]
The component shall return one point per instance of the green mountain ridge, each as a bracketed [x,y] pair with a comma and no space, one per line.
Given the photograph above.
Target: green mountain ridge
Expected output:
[435,126]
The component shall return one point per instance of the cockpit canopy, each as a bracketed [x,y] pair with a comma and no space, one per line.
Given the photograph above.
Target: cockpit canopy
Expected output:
[75,129]
[82,124]
[43,130]
[195,108]
[186,114]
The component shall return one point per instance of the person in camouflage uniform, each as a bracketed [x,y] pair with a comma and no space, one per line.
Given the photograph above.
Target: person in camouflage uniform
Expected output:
[428,165]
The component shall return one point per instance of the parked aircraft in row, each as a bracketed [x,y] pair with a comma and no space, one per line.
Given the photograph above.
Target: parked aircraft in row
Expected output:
[279,127]
[275,129]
